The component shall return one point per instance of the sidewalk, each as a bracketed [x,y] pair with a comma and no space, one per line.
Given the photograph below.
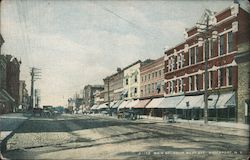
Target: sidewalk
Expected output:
[228,128]
[8,124]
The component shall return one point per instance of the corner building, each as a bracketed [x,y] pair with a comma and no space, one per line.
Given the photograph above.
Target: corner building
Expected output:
[185,65]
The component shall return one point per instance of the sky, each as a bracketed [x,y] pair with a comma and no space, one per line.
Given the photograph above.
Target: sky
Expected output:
[80,42]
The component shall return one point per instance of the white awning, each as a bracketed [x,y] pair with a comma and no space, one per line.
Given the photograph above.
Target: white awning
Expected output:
[155,103]
[94,107]
[171,102]
[116,105]
[102,106]
[193,101]
[132,104]
[222,100]
[123,104]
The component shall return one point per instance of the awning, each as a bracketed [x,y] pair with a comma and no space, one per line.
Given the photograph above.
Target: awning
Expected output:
[193,101]
[155,103]
[116,105]
[132,104]
[5,97]
[123,104]
[171,102]
[142,103]
[94,107]
[221,101]
[102,106]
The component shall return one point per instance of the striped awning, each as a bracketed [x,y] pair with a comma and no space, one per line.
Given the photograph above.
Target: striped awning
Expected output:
[142,103]
[131,104]
[189,102]
[123,104]
[171,102]
[155,103]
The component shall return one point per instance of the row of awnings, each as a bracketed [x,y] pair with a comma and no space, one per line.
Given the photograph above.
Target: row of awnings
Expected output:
[179,102]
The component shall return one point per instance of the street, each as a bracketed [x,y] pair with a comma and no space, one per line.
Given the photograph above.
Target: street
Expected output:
[89,137]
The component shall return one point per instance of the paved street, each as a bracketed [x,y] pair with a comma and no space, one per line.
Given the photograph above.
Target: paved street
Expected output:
[89,137]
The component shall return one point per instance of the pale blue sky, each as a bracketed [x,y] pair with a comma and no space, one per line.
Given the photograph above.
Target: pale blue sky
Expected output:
[79,42]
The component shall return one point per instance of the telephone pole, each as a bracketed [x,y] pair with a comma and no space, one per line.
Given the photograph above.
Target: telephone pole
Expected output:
[108,93]
[206,32]
[35,75]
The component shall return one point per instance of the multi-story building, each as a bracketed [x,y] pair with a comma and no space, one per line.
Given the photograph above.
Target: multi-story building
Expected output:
[23,95]
[98,97]
[152,79]
[113,86]
[89,91]
[12,78]
[131,81]
[185,63]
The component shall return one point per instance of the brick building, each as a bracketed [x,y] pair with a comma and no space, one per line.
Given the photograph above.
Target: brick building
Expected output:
[89,91]
[12,78]
[152,79]
[185,63]
[113,84]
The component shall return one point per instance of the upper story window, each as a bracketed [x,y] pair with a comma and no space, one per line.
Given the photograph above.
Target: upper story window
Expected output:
[155,74]
[145,77]
[148,88]
[196,82]
[191,56]
[229,42]
[221,78]
[196,55]
[126,81]
[153,87]
[135,90]
[190,82]
[135,78]
[229,76]
[180,60]
[158,87]
[142,79]
[172,61]
[211,77]
[221,45]
[148,76]
[171,87]
[169,64]
[180,85]
[160,73]
[211,48]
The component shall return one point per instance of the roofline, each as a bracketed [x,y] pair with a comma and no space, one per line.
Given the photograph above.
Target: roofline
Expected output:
[154,61]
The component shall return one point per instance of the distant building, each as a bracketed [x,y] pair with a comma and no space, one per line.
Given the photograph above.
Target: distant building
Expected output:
[89,91]
[23,96]
[152,79]
[98,97]
[131,81]
[113,86]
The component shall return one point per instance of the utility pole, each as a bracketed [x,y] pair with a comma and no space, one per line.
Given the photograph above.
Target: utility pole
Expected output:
[206,33]
[108,93]
[206,73]
[35,75]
